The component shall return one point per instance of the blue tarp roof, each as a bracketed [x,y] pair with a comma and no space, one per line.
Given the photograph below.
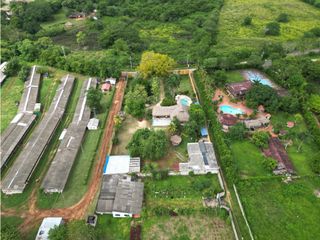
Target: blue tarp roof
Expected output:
[204,132]
[106,164]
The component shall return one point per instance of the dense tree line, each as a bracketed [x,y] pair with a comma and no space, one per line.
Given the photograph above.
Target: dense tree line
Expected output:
[315,3]
[214,127]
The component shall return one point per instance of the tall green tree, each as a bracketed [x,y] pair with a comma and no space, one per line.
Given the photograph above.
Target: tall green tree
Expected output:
[135,101]
[94,97]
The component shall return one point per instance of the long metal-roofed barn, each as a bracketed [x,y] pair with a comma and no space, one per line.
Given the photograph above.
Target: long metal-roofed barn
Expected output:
[22,169]
[57,175]
[22,122]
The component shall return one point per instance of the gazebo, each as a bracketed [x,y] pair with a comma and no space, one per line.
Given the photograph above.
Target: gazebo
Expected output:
[175,140]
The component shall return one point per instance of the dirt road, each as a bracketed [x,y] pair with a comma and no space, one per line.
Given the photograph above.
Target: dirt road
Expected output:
[33,215]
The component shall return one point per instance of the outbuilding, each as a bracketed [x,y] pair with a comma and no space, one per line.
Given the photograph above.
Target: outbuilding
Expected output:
[106,87]
[93,124]
[46,225]
[111,80]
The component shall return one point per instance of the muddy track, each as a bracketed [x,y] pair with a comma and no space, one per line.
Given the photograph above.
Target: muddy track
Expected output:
[33,215]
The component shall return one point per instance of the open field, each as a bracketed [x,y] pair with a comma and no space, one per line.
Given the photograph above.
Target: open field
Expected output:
[248,159]
[276,210]
[10,92]
[114,228]
[233,35]
[198,226]
[78,179]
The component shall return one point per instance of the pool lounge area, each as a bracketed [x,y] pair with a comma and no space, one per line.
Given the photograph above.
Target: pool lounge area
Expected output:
[230,110]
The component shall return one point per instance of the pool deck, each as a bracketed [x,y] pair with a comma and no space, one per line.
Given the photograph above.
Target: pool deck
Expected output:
[227,101]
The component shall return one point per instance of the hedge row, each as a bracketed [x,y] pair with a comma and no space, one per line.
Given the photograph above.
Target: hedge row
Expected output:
[223,152]
[312,125]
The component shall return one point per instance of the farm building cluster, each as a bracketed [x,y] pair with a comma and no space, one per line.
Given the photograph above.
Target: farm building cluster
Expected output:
[23,167]
[120,194]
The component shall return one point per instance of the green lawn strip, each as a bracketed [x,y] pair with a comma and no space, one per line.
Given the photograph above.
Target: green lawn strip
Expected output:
[78,179]
[10,92]
[234,76]
[278,210]
[185,86]
[113,228]
[249,159]
[19,200]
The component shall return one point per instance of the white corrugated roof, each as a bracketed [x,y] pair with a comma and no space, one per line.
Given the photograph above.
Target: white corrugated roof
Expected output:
[117,164]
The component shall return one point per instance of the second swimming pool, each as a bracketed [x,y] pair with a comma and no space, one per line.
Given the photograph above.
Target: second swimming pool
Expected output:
[230,110]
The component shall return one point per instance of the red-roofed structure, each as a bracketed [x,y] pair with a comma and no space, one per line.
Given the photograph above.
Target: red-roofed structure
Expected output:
[277,151]
[239,89]
[106,87]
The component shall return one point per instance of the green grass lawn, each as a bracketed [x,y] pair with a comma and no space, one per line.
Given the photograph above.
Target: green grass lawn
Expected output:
[248,159]
[277,210]
[233,35]
[185,86]
[78,179]
[234,76]
[113,228]
[10,92]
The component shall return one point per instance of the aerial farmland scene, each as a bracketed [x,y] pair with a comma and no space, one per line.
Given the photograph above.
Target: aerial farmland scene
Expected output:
[160,120]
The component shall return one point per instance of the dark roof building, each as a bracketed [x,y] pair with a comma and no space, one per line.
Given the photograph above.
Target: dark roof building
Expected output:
[239,89]
[120,196]
[277,151]
[228,119]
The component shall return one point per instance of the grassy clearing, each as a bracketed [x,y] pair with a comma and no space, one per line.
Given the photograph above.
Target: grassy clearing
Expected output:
[10,92]
[276,210]
[114,228]
[185,86]
[234,76]
[233,35]
[129,126]
[78,179]
[198,226]
[248,159]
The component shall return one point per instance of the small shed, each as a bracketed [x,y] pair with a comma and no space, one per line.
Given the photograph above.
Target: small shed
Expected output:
[46,225]
[92,220]
[111,80]
[93,124]
[175,140]
[290,124]
[105,87]
[68,25]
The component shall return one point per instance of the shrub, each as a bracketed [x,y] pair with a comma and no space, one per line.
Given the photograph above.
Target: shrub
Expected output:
[269,164]
[260,139]
[273,29]
[283,17]
[168,101]
[247,21]
[315,164]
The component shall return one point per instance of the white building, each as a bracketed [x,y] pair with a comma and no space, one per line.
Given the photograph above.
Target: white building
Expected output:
[46,225]
[121,164]
[2,69]
[93,124]
[202,159]
[111,80]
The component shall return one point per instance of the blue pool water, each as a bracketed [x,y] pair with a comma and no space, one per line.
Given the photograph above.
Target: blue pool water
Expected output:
[230,110]
[257,77]
[184,102]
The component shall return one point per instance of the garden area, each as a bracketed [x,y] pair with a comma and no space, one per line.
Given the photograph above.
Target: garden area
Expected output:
[174,209]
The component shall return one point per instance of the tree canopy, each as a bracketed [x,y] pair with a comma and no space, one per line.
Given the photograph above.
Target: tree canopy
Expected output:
[148,144]
[155,64]
[94,97]
[135,101]
[262,94]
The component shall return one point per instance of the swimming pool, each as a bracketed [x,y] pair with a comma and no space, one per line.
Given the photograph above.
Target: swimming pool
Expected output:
[230,110]
[184,102]
[253,76]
